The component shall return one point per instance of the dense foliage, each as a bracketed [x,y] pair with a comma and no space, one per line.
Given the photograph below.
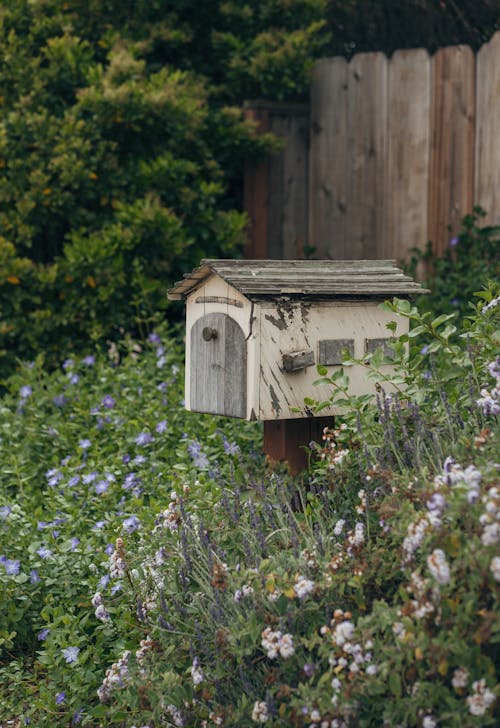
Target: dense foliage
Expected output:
[121,137]
[470,260]
[155,572]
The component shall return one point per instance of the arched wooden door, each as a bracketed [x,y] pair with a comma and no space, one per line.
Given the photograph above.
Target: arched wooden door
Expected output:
[218,379]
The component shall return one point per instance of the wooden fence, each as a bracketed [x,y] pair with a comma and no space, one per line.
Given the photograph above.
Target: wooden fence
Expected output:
[388,154]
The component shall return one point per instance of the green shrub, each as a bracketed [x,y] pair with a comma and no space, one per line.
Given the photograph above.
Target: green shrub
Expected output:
[470,260]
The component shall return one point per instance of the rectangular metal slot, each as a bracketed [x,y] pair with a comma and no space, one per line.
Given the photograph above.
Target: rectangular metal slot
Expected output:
[297,360]
[330,351]
[371,345]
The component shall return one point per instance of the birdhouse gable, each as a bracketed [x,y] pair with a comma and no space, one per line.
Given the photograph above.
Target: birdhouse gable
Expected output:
[256,331]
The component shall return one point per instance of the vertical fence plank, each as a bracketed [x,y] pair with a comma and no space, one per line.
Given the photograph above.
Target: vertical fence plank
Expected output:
[255,192]
[452,142]
[487,183]
[408,124]
[296,184]
[366,145]
[277,125]
[328,159]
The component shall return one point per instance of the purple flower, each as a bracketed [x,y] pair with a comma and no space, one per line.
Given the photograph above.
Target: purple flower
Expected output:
[161,427]
[43,634]
[34,577]
[71,654]
[84,444]
[108,401]
[230,448]
[68,364]
[160,351]
[25,391]
[436,502]
[154,338]
[131,524]
[99,524]
[73,481]
[309,669]
[41,525]
[89,360]
[161,362]
[139,460]
[12,567]
[424,349]
[198,457]
[89,477]
[116,587]
[74,543]
[454,242]
[5,512]
[60,698]
[110,547]
[104,581]
[126,458]
[74,378]
[144,438]
[101,487]
[60,400]
[162,387]
[427,375]
[77,716]
[43,552]
[54,477]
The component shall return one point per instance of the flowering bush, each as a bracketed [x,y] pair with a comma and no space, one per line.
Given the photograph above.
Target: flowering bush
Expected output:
[158,574]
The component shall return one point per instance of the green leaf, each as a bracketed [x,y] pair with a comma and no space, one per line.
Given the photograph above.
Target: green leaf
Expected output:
[395,684]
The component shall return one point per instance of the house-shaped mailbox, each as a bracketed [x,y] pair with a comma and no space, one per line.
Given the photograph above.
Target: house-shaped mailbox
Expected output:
[257,329]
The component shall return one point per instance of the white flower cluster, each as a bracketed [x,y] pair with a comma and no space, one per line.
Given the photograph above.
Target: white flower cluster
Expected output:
[490,519]
[197,674]
[245,591]
[318,722]
[260,713]
[170,517]
[339,526]
[428,722]
[116,676]
[277,643]
[415,536]
[350,655]
[495,567]
[362,505]
[481,698]
[425,597]
[332,452]
[489,401]
[355,538]
[117,565]
[175,715]
[438,566]
[494,302]
[100,610]
[145,646]
[455,476]
[303,587]
[460,678]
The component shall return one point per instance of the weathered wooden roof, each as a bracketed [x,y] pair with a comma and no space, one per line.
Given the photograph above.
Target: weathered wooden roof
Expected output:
[299,278]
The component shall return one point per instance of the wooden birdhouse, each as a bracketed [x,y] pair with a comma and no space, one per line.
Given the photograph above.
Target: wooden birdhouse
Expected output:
[257,329]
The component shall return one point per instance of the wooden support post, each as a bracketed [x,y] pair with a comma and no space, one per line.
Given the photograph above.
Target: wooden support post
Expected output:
[284,440]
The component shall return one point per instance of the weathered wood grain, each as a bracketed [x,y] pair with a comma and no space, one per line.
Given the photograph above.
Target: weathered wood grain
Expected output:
[329,159]
[408,149]
[452,143]
[487,177]
[255,192]
[366,149]
[218,367]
